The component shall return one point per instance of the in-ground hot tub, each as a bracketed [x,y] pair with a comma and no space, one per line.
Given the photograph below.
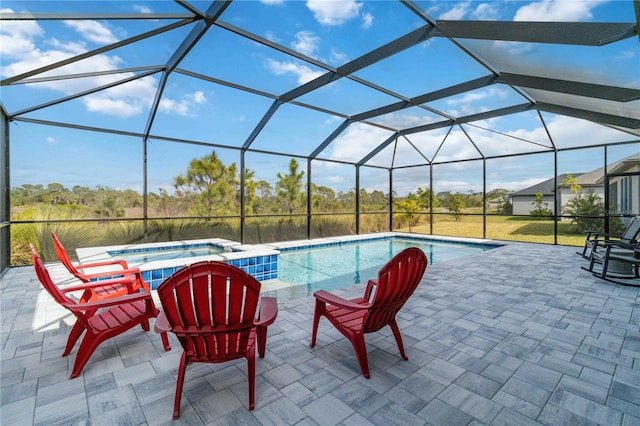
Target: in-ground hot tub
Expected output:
[158,261]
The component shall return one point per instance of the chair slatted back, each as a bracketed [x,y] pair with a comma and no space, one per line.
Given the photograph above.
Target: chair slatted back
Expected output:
[633,230]
[47,282]
[397,281]
[211,307]
[62,254]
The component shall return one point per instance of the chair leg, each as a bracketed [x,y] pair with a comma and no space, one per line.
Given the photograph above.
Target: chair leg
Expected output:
[165,341]
[74,335]
[145,325]
[592,262]
[319,310]
[179,382]
[251,373]
[605,266]
[584,252]
[396,333]
[261,335]
[86,349]
[361,353]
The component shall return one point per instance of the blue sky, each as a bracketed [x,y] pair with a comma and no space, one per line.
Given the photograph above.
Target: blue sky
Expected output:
[332,32]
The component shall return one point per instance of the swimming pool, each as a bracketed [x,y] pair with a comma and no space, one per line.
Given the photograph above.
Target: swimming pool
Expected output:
[291,269]
[343,264]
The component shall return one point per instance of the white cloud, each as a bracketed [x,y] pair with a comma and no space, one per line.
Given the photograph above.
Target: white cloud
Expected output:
[112,106]
[567,131]
[457,12]
[198,97]
[557,10]
[474,102]
[51,140]
[404,120]
[272,37]
[454,186]
[302,72]
[93,31]
[272,2]
[338,57]
[334,12]
[16,37]
[306,43]
[515,185]
[357,141]
[367,21]
[184,107]
[486,12]
[28,45]
[142,9]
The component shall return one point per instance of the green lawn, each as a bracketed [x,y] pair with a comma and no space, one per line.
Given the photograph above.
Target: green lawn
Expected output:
[502,228]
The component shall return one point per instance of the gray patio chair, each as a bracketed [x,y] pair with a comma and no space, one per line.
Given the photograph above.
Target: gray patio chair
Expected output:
[619,260]
[629,236]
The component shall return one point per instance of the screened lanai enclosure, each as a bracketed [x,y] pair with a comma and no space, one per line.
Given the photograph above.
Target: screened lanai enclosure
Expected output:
[260,121]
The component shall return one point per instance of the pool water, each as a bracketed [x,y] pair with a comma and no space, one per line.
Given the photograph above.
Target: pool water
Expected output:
[167,253]
[347,264]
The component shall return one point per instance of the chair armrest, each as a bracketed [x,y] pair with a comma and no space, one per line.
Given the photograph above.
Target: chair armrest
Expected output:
[268,311]
[332,299]
[162,323]
[618,244]
[598,235]
[114,273]
[371,287]
[121,263]
[124,281]
[105,303]
[592,233]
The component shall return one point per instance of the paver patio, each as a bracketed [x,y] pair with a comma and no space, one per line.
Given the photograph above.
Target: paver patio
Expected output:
[513,336]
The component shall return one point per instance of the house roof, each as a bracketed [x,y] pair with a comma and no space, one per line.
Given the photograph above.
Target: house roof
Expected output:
[592,178]
[546,187]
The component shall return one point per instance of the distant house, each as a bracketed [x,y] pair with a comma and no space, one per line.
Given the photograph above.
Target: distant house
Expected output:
[624,191]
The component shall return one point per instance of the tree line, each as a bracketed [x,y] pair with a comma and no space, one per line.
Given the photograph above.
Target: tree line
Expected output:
[209,188]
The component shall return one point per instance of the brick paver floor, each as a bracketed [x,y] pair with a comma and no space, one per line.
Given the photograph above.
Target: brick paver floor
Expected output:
[514,336]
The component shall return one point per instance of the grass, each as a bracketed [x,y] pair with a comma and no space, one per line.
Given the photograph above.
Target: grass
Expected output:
[509,228]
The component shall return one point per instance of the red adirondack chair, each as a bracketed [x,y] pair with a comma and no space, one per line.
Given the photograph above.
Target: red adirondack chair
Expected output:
[99,320]
[382,300]
[127,279]
[211,307]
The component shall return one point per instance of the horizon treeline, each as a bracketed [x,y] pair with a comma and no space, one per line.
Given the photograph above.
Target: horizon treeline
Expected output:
[209,188]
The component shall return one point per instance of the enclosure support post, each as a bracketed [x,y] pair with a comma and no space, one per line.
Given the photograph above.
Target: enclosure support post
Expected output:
[145,191]
[431,199]
[556,210]
[391,200]
[242,197]
[484,197]
[357,199]
[607,207]
[309,195]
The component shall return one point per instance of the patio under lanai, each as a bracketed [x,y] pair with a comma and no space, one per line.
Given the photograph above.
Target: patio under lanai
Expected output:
[517,335]
[263,123]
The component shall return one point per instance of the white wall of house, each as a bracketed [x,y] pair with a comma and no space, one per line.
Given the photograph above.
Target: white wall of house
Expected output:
[523,204]
[627,196]
[567,195]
